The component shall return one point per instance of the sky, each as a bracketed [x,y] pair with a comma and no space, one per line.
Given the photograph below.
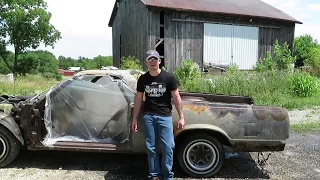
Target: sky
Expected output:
[85,31]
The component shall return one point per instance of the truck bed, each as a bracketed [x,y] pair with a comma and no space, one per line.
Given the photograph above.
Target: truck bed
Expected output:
[222,98]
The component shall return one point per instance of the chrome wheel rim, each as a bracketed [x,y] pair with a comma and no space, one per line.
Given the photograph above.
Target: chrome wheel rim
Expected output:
[201,156]
[3,148]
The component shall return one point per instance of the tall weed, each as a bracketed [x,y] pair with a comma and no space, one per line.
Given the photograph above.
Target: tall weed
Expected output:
[187,72]
[131,62]
[27,85]
[303,85]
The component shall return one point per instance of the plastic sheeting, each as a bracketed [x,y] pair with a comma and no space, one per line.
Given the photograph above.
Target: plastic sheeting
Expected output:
[88,109]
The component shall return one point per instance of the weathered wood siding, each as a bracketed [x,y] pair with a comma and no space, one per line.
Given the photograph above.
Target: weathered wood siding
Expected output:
[268,36]
[184,33]
[131,24]
[154,28]
[183,40]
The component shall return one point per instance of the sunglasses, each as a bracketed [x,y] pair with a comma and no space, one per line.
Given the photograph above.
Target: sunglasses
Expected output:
[152,59]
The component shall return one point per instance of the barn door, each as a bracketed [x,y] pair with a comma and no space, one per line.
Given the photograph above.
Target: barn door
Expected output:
[245,46]
[217,44]
[225,44]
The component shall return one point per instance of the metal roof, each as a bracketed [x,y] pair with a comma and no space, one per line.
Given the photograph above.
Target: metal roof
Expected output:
[253,8]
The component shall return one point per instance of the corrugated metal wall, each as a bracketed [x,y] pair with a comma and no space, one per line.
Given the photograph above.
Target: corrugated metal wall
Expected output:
[245,46]
[230,44]
[217,45]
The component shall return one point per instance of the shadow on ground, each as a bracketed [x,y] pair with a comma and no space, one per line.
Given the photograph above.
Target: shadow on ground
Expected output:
[125,166]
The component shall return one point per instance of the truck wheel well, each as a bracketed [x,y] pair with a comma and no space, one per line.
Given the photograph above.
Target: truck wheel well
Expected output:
[216,134]
[1,125]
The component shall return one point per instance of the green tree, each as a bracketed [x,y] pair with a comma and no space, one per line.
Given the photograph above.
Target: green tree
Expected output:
[303,47]
[102,61]
[26,24]
[27,63]
[65,63]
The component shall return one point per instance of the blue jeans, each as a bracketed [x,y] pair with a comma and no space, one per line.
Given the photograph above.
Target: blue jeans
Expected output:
[159,131]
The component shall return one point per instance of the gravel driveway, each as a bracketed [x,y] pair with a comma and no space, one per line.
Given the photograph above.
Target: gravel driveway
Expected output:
[300,160]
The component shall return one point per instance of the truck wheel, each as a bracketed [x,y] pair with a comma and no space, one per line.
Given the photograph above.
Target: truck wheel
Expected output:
[200,155]
[9,147]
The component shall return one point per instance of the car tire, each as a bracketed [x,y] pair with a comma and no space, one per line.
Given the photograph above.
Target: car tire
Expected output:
[211,154]
[9,147]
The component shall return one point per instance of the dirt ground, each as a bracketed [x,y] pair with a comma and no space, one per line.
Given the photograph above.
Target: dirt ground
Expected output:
[300,160]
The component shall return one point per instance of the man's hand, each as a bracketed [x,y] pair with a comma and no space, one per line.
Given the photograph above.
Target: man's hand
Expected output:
[134,125]
[181,123]
[177,102]
[136,110]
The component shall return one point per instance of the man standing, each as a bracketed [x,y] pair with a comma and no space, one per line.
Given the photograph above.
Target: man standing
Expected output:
[159,87]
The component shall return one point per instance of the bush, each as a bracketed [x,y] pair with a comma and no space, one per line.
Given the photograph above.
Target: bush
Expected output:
[314,61]
[280,60]
[131,62]
[265,64]
[49,75]
[282,56]
[304,85]
[187,72]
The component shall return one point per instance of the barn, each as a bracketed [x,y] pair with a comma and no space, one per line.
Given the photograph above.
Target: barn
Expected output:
[209,32]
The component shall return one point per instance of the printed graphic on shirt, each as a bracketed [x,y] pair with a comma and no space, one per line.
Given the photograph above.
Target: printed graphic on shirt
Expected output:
[155,89]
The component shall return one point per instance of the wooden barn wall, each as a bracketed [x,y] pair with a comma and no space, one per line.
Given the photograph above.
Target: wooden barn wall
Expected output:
[268,36]
[132,24]
[154,28]
[184,38]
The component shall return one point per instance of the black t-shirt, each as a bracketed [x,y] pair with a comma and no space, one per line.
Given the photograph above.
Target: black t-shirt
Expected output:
[157,90]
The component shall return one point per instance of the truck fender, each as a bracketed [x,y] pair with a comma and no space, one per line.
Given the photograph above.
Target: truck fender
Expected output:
[207,127]
[7,121]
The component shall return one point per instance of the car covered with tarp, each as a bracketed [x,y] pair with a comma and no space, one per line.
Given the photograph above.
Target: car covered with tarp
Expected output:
[92,111]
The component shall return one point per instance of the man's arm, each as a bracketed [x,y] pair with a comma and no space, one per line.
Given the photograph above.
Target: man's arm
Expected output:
[174,87]
[177,102]
[137,105]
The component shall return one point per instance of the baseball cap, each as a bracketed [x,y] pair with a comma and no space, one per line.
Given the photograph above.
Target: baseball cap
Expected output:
[152,53]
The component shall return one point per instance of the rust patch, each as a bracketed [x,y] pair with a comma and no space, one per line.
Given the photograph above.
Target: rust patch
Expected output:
[279,114]
[260,112]
[276,113]
[196,109]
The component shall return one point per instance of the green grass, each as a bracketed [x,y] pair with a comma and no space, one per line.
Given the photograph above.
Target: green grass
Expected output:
[271,89]
[268,88]
[306,126]
[28,85]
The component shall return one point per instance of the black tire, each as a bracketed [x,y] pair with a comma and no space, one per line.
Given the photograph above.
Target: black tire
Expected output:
[206,167]
[9,147]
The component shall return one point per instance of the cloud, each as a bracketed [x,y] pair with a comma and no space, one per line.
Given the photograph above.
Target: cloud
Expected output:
[302,11]
[315,7]
[311,28]
[83,25]
[75,46]
[87,18]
